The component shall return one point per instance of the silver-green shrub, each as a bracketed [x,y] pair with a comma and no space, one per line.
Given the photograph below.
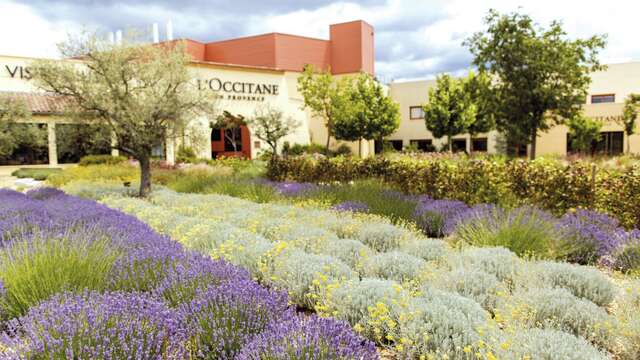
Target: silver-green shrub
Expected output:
[475,284]
[351,252]
[500,262]
[295,271]
[427,249]
[394,265]
[381,237]
[559,309]
[548,344]
[582,281]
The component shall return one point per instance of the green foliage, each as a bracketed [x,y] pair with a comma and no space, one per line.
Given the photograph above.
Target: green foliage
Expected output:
[325,96]
[630,115]
[450,110]
[101,159]
[270,126]
[394,265]
[95,173]
[583,131]
[139,112]
[370,114]
[77,140]
[545,183]
[15,136]
[32,272]
[541,75]
[548,344]
[521,230]
[36,174]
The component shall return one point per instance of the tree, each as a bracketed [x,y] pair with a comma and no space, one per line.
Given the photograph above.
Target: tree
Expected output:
[370,114]
[13,134]
[541,76]
[234,123]
[583,131]
[477,87]
[324,96]
[450,110]
[630,115]
[269,125]
[142,94]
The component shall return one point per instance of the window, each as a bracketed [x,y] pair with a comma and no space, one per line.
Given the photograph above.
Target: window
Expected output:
[479,144]
[609,143]
[216,134]
[416,113]
[423,145]
[235,134]
[396,144]
[459,145]
[605,98]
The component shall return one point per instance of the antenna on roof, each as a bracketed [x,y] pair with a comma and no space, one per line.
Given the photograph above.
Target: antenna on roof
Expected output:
[156,33]
[111,37]
[169,30]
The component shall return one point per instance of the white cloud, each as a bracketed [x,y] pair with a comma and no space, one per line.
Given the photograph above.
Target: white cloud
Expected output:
[26,34]
[414,38]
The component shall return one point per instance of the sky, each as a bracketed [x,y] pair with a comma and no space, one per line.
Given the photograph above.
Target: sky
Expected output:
[413,39]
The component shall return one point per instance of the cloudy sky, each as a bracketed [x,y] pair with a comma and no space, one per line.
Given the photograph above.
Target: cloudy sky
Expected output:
[414,38]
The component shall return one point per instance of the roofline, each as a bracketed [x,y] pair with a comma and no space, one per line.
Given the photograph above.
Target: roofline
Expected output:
[350,22]
[264,35]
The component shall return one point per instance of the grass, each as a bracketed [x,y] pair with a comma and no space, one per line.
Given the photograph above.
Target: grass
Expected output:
[34,270]
[36,174]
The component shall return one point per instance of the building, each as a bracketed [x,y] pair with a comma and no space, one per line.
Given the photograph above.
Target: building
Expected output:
[247,73]
[605,102]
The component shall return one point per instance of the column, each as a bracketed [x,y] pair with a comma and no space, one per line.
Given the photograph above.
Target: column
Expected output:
[114,151]
[170,151]
[53,147]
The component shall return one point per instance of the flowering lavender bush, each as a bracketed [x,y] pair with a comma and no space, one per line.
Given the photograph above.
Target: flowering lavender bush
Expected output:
[431,215]
[225,317]
[591,235]
[98,326]
[291,188]
[308,338]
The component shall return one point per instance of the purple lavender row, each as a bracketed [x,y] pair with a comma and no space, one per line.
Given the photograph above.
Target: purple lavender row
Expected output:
[161,302]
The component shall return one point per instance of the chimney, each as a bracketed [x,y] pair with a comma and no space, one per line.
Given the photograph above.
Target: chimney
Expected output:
[156,33]
[111,37]
[169,30]
[119,37]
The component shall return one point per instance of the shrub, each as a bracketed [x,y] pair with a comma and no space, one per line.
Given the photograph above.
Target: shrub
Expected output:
[34,269]
[296,272]
[186,154]
[548,344]
[525,231]
[473,284]
[99,190]
[101,160]
[431,215]
[351,252]
[309,338]
[440,324]
[561,310]
[627,309]
[381,237]
[36,174]
[591,235]
[581,281]
[226,317]
[627,257]
[99,326]
[500,262]
[96,173]
[394,265]
[427,249]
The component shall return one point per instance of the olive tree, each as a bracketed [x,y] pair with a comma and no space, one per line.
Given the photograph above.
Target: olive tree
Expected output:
[270,125]
[141,94]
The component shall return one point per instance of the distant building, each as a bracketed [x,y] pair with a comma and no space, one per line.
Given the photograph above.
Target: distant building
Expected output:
[246,73]
[605,101]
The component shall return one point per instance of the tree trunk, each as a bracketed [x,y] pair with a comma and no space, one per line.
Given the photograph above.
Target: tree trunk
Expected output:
[450,143]
[145,176]
[360,148]
[628,143]
[534,137]
[328,139]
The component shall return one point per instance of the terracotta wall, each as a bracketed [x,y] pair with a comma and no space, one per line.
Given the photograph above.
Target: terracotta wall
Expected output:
[350,49]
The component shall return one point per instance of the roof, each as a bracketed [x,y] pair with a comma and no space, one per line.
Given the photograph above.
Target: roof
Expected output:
[39,103]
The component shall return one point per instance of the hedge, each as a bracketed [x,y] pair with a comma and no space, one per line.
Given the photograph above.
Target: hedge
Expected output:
[549,184]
